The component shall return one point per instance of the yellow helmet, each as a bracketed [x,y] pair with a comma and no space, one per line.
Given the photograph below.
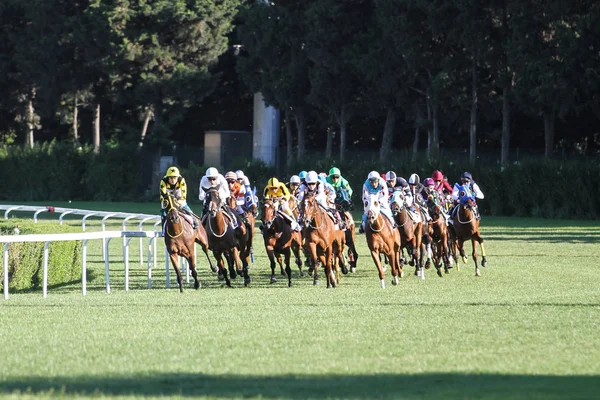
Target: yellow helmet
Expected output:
[173,171]
[273,182]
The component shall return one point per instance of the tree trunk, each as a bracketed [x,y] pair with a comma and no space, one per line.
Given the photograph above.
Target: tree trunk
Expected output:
[300,126]
[329,143]
[505,141]
[97,129]
[435,148]
[549,118]
[415,146]
[30,120]
[76,120]
[289,138]
[429,131]
[473,124]
[388,134]
[343,133]
[147,118]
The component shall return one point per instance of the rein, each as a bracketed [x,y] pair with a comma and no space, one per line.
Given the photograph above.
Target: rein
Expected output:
[313,220]
[465,222]
[180,233]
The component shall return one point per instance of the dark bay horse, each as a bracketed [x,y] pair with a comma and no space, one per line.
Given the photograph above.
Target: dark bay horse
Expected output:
[180,240]
[280,240]
[318,234]
[223,240]
[466,226]
[247,234]
[411,232]
[350,238]
[382,238]
[439,234]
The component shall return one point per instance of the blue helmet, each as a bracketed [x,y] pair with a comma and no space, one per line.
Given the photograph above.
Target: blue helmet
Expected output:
[302,175]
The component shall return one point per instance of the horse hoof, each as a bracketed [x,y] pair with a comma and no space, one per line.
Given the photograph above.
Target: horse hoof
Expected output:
[411,263]
[247,281]
[283,273]
[428,265]
[220,276]
[477,273]
[214,269]
[465,259]
[344,270]
[353,270]
[439,272]
[395,281]
[273,279]
[315,282]
[197,285]
[289,283]
[301,273]
[484,262]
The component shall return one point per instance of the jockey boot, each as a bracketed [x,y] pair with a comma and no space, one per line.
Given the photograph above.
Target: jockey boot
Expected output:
[296,226]
[195,223]
[244,218]
[361,228]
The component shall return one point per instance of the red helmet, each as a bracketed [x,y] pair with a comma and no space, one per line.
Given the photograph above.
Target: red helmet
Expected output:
[437,175]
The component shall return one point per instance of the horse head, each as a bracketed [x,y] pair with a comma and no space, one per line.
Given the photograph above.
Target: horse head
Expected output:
[214,200]
[397,202]
[268,210]
[251,201]
[172,211]
[372,208]
[309,206]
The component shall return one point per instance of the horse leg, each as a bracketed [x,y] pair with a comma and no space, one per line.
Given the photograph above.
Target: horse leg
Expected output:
[271,255]
[192,265]
[230,264]
[483,259]
[288,270]
[375,256]
[296,250]
[477,272]
[313,257]
[175,261]
[329,267]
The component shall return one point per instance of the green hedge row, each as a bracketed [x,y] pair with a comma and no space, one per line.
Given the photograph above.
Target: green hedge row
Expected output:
[535,187]
[26,260]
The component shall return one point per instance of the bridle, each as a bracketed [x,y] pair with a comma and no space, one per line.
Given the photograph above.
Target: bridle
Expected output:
[172,220]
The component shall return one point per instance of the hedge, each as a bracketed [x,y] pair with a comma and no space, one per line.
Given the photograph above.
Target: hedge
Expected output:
[25,263]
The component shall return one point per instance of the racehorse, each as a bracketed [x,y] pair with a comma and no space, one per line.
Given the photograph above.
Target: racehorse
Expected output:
[319,234]
[382,238]
[224,241]
[465,227]
[249,228]
[439,234]
[342,204]
[279,238]
[180,240]
[410,231]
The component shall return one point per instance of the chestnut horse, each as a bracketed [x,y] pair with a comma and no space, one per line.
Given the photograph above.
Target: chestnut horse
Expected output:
[180,240]
[224,241]
[280,238]
[465,227]
[319,234]
[410,231]
[382,238]
[438,231]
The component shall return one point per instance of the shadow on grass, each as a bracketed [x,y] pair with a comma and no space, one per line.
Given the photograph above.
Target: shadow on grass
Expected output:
[440,385]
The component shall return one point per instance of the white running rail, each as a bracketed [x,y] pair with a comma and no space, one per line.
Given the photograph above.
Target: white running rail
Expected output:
[85,236]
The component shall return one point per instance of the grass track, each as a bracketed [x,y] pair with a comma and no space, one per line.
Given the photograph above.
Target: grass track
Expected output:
[528,328]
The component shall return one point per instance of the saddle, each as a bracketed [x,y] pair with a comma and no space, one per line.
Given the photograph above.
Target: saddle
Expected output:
[415,216]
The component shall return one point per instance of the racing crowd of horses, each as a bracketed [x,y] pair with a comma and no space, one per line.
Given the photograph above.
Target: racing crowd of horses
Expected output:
[321,241]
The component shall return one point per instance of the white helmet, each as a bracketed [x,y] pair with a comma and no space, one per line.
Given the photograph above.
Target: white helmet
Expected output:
[212,172]
[240,174]
[312,177]
[374,175]
[414,179]
[295,179]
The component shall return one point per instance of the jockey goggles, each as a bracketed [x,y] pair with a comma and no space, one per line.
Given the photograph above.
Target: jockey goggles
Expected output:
[335,177]
[212,179]
[230,181]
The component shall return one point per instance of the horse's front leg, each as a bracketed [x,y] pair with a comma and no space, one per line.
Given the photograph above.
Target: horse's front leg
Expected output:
[192,264]
[271,255]
[312,248]
[327,259]
[175,261]
[288,270]
[474,245]
[221,266]
[483,258]
[296,250]
[375,256]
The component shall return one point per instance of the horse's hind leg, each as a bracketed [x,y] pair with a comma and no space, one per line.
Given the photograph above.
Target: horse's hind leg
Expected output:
[288,270]
[175,261]
[483,259]
[477,272]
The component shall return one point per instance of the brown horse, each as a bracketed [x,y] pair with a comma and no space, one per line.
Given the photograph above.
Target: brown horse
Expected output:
[180,240]
[225,241]
[466,226]
[438,231]
[248,234]
[280,239]
[411,232]
[382,238]
[319,234]
[350,239]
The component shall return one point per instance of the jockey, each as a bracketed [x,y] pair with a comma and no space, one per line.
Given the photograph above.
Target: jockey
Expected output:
[433,196]
[417,189]
[342,188]
[238,192]
[279,193]
[244,181]
[302,176]
[312,185]
[470,189]
[442,187]
[376,185]
[214,180]
[397,183]
[294,185]
[174,184]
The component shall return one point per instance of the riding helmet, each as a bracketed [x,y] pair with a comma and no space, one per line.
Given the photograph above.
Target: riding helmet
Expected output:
[414,179]
[273,182]
[231,175]
[312,177]
[373,175]
[437,175]
[295,179]
[302,174]
[428,182]
[390,176]
[173,171]
[212,172]
[335,171]
[466,175]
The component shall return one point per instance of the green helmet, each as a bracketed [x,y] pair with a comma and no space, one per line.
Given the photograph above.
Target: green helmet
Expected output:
[334,171]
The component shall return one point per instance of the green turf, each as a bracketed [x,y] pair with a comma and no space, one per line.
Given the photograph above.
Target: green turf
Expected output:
[526,329]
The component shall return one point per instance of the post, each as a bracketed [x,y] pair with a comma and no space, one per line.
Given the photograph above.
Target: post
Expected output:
[167,267]
[84,269]
[150,240]
[5,271]
[45,278]
[105,247]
